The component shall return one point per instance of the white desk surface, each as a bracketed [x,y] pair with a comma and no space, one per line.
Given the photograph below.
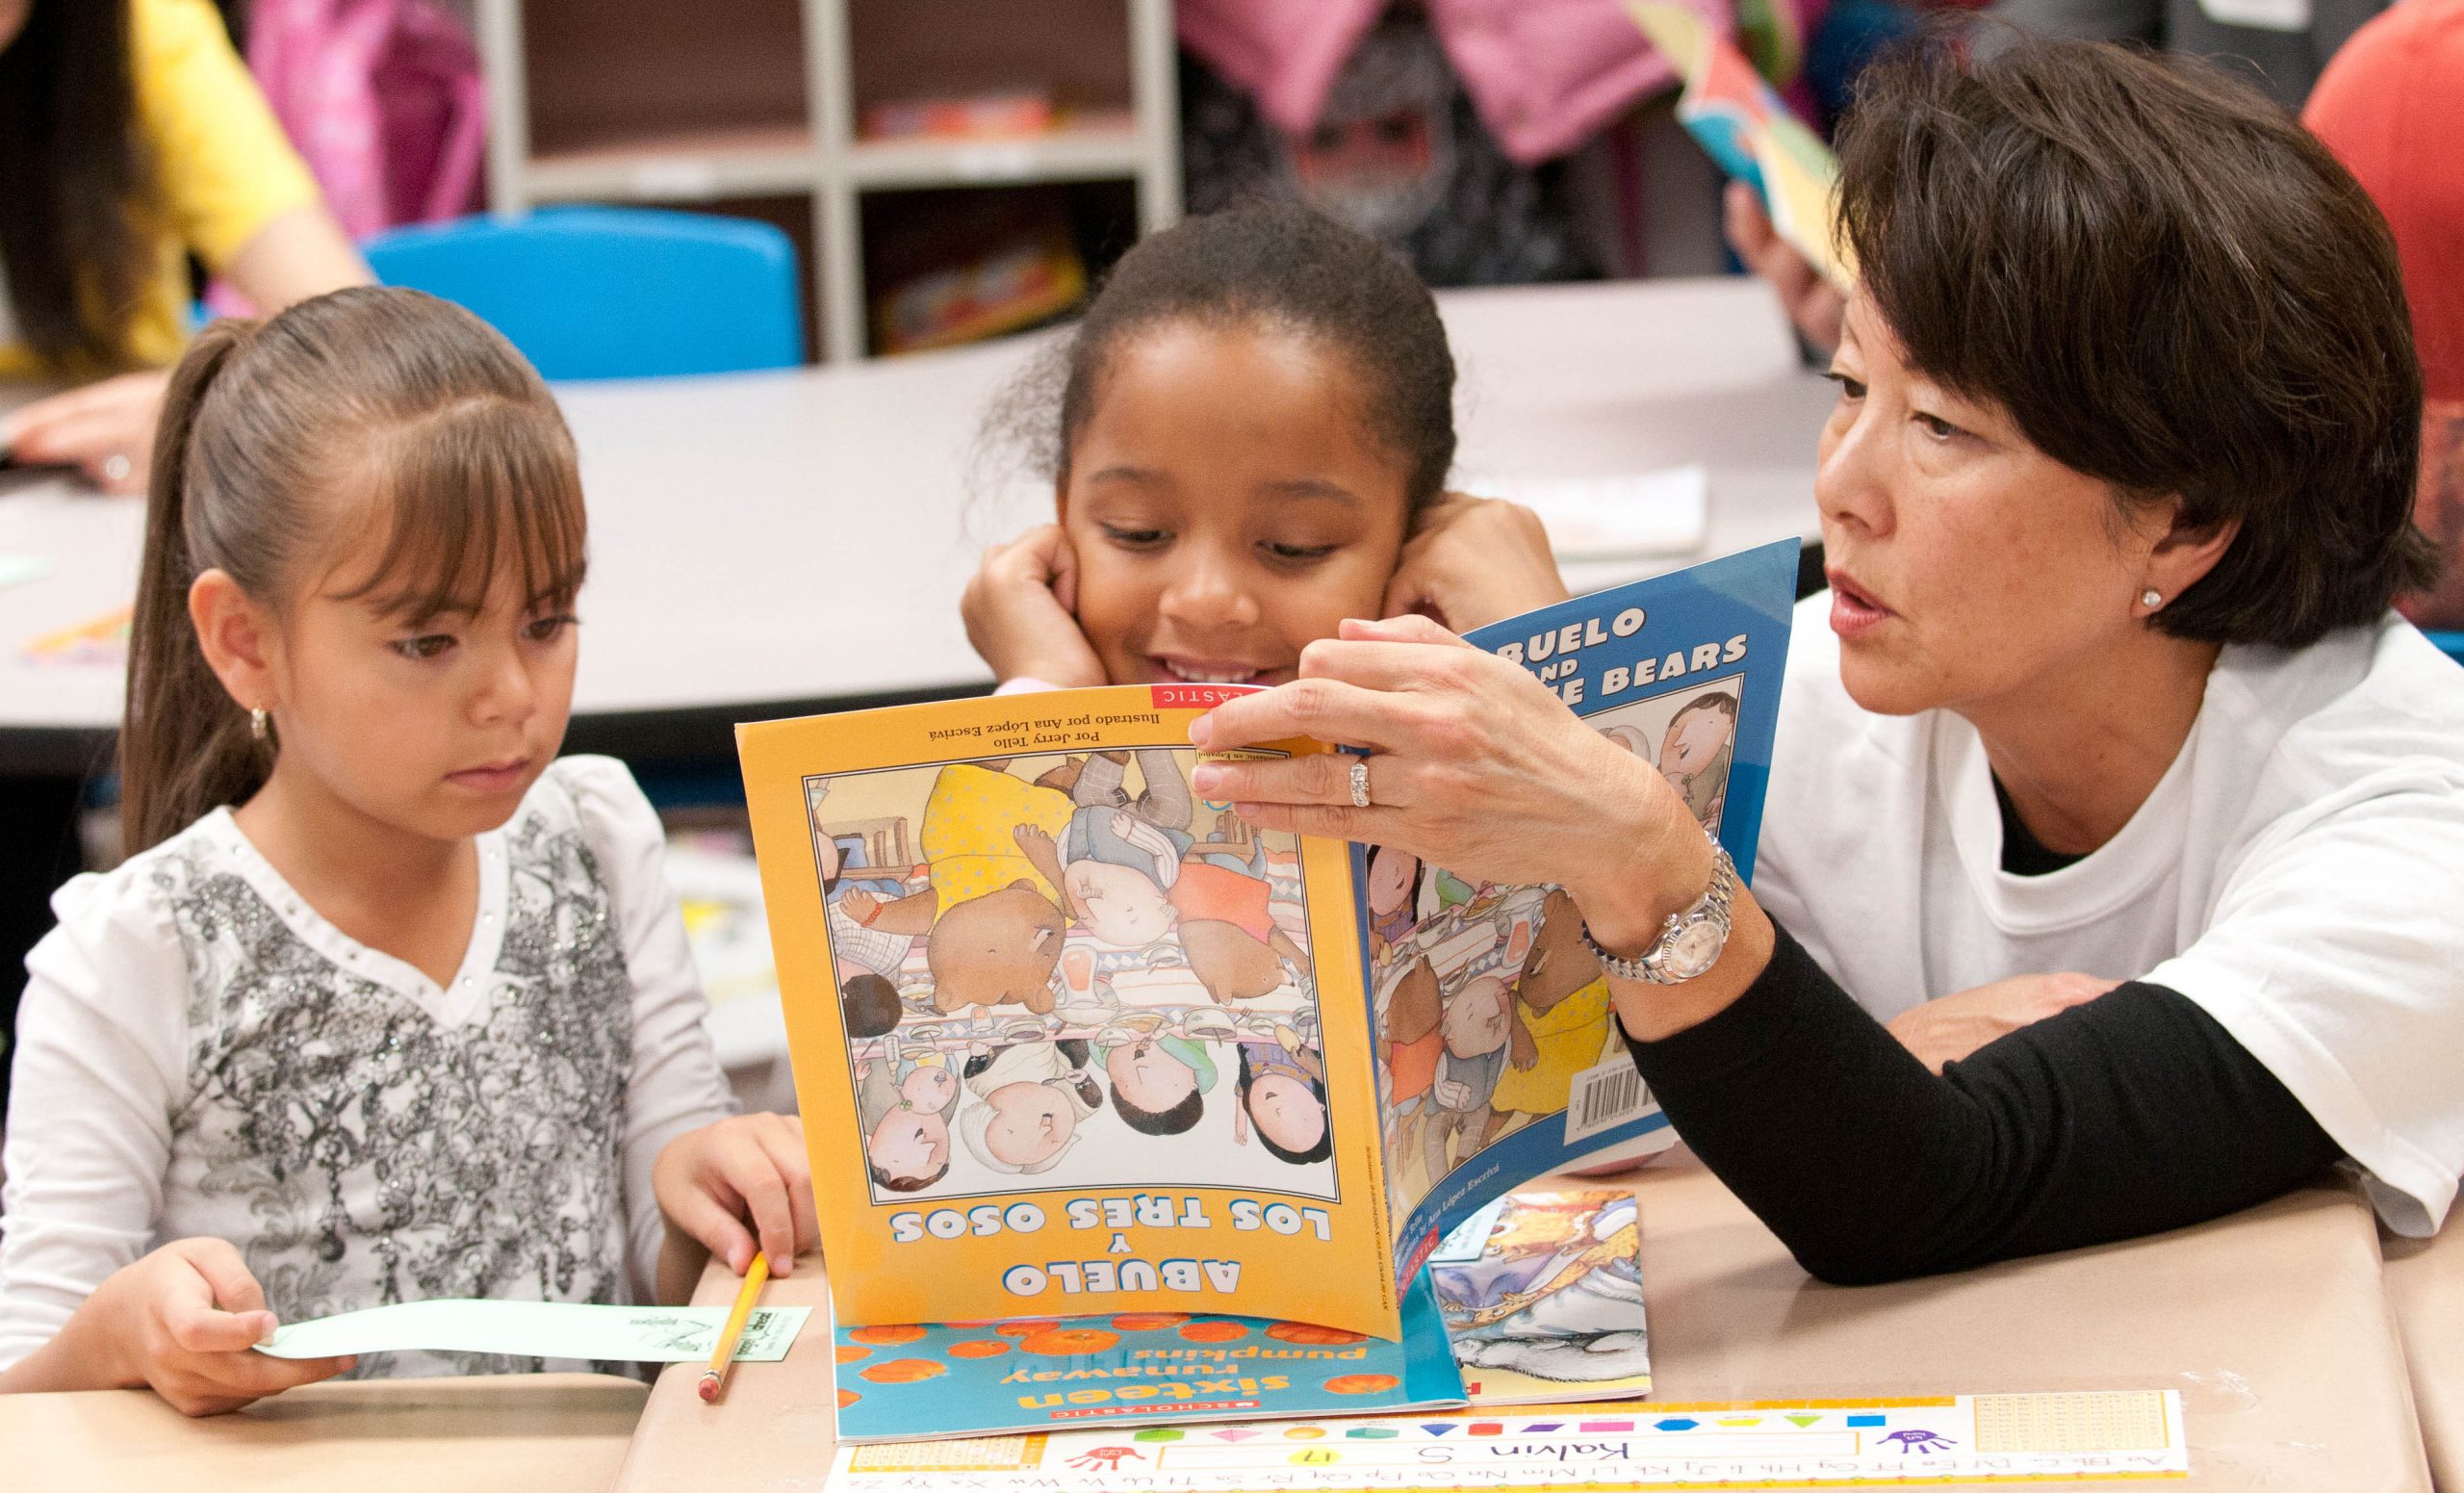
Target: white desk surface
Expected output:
[518,1433]
[2273,1324]
[802,538]
[2425,1287]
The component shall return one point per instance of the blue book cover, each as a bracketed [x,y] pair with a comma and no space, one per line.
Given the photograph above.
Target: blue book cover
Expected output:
[1498,1059]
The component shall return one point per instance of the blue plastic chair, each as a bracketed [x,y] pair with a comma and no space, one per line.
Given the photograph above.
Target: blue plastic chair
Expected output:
[2450,643]
[613,293]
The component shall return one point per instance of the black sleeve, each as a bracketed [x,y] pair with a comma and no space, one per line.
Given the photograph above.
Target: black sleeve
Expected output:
[2129,1115]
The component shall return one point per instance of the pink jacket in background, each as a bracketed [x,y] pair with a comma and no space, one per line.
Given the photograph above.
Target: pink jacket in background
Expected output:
[382,98]
[1544,74]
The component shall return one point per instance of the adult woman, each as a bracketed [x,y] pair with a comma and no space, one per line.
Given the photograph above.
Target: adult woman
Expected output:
[130,138]
[2115,499]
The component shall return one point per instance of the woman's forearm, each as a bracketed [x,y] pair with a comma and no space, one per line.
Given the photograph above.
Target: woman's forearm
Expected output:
[300,255]
[2129,1115]
[1651,1013]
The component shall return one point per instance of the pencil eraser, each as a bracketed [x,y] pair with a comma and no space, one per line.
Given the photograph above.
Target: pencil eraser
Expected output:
[710,1389]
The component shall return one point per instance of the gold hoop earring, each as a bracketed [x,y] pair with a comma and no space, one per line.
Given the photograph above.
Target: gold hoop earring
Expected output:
[257,723]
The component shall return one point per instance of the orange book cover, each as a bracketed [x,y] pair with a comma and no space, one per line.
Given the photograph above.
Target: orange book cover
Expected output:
[1066,1037]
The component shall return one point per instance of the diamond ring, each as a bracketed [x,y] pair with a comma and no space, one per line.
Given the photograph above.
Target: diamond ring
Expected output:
[1360,782]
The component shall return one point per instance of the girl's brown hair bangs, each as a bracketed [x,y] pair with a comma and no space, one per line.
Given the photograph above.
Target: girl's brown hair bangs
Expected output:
[475,495]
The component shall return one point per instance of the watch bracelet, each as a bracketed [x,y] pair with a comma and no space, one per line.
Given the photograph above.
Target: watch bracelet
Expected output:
[1716,901]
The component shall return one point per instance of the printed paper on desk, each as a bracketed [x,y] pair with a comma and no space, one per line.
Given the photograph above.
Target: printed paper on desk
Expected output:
[1542,1293]
[2259,14]
[1615,516]
[97,640]
[539,1329]
[1964,1439]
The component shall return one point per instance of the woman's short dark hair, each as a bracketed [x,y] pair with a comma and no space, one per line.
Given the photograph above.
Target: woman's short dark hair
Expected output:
[2172,287]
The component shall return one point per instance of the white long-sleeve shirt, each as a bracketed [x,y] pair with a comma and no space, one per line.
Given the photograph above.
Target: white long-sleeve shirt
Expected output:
[201,1053]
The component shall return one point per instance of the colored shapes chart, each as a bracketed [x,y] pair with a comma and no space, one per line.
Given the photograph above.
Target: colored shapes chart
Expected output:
[2073,1437]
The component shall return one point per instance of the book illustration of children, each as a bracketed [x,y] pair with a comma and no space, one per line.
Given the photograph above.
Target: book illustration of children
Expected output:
[1030,1097]
[925,1079]
[1441,891]
[1159,1081]
[868,1006]
[1393,885]
[872,921]
[1125,884]
[1556,1293]
[1476,1027]
[1163,797]
[1282,1093]
[997,937]
[1233,963]
[904,1111]
[1112,868]
[1561,1016]
[994,950]
[1632,740]
[1224,896]
[1408,1046]
[1695,755]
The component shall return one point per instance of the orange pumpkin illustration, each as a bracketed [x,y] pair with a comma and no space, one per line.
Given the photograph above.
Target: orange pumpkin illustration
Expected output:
[1148,1322]
[887,1337]
[848,1397]
[901,1371]
[1062,1341]
[1360,1383]
[1214,1332]
[848,1354]
[1313,1336]
[979,1347]
[1027,1328]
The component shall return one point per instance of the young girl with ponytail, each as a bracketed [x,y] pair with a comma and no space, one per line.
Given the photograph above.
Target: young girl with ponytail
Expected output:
[387,1003]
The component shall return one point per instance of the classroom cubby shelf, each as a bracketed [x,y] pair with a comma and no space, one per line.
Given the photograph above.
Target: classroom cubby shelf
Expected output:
[713,105]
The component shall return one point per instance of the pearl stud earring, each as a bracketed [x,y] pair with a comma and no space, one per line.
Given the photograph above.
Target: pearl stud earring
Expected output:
[2151,599]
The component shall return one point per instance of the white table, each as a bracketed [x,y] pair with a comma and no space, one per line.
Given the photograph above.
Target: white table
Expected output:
[778,543]
[2273,1324]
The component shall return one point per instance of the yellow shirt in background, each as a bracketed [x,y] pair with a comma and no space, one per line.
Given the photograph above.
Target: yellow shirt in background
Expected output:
[223,167]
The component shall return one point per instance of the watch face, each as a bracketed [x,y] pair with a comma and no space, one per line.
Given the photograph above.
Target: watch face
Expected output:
[1694,950]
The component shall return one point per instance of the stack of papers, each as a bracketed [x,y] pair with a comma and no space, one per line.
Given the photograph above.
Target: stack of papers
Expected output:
[1617,516]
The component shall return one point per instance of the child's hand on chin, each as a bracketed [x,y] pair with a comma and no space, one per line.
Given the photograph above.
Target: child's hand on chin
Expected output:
[710,1183]
[1019,610]
[185,1321]
[1472,561]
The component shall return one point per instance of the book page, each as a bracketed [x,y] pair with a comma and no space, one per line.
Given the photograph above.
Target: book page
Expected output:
[1500,1059]
[1066,1038]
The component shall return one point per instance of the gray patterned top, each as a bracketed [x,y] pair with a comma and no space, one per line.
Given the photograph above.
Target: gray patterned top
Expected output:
[366,1136]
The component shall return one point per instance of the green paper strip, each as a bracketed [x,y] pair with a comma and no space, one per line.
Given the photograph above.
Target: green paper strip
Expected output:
[539,1329]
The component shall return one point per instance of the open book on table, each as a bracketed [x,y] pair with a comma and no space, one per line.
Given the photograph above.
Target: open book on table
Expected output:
[1070,1041]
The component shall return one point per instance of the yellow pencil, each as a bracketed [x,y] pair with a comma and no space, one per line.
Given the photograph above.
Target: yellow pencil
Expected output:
[723,1351]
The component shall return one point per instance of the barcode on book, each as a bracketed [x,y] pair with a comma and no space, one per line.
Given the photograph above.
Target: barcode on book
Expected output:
[1604,1097]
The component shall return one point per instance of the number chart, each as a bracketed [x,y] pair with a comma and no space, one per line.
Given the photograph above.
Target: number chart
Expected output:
[1945,1440]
